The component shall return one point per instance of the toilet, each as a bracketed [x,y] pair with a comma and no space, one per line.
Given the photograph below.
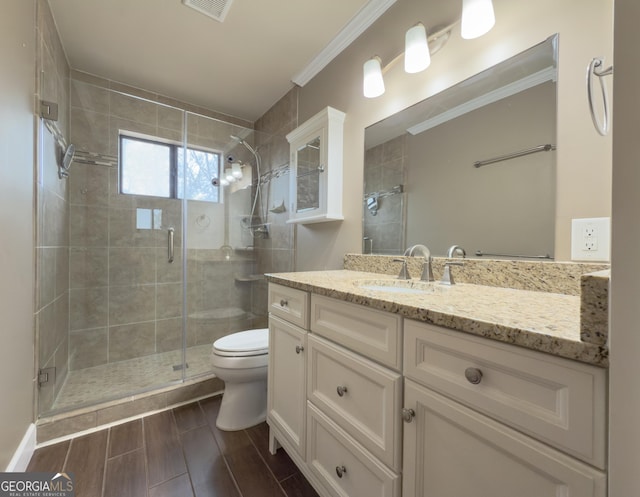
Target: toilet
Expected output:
[240,360]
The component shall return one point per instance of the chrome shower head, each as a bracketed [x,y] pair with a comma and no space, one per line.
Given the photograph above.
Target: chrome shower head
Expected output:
[244,143]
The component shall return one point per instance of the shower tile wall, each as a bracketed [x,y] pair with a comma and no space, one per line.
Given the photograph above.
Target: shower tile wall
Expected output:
[126,299]
[52,235]
[276,253]
[385,167]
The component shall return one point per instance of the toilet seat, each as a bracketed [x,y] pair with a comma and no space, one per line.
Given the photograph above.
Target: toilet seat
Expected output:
[243,344]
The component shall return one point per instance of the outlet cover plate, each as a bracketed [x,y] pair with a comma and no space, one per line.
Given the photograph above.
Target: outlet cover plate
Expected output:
[591,239]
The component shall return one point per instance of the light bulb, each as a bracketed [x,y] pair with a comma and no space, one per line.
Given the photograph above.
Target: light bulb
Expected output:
[228,174]
[224,182]
[477,18]
[416,49]
[373,84]
[236,170]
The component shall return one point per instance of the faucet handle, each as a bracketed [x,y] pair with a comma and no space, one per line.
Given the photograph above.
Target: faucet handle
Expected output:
[404,271]
[447,275]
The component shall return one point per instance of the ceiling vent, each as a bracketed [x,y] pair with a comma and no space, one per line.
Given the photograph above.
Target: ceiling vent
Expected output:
[216,9]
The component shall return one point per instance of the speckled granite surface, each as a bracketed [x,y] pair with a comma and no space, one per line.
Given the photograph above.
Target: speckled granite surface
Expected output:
[546,322]
[594,307]
[539,276]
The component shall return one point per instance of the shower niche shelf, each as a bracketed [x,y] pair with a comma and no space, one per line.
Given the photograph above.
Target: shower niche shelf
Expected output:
[316,168]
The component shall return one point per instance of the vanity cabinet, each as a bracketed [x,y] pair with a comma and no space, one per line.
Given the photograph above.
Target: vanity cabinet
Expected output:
[367,402]
[487,418]
[316,168]
[286,382]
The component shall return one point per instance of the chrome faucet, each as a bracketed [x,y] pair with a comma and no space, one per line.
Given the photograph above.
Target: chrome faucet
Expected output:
[404,271]
[427,270]
[456,249]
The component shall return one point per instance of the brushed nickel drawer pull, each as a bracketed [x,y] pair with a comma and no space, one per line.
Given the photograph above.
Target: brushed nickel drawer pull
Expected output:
[408,415]
[341,390]
[340,471]
[284,303]
[473,375]
[299,348]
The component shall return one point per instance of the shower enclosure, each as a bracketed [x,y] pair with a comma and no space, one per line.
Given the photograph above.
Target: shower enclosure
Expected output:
[147,252]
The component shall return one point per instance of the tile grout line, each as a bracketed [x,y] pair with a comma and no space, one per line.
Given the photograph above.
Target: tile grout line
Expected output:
[224,457]
[284,493]
[106,458]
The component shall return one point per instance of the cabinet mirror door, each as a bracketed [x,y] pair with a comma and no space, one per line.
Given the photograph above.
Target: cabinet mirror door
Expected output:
[308,169]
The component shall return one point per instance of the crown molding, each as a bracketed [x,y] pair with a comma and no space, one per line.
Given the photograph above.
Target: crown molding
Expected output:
[365,17]
[542,76]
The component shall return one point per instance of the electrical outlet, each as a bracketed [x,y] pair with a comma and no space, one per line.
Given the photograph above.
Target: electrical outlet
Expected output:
[590,239]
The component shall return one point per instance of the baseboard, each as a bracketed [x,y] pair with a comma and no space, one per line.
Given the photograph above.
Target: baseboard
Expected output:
[23,453]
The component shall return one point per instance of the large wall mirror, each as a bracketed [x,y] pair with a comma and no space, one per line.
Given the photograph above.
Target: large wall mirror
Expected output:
[474,165]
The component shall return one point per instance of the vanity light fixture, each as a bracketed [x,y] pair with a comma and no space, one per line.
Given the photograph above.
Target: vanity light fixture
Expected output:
[236,170]
[477,18]
[373,84]
[416,49]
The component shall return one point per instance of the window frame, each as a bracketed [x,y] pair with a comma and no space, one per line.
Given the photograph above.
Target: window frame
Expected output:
[173,164]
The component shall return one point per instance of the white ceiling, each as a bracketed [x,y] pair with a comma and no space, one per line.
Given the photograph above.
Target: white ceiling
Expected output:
[239,67]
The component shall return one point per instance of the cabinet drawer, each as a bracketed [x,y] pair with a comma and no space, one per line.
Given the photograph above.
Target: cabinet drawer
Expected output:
[374,334]
[559,401]
[332,452]
[361,396]
[289,304]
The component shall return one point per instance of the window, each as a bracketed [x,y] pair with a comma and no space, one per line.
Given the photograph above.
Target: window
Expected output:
[159,169]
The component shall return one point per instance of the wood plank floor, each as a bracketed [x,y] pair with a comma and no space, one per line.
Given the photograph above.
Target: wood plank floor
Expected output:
[175,453]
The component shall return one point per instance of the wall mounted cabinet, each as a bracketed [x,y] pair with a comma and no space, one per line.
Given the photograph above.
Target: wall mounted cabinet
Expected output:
[316,168]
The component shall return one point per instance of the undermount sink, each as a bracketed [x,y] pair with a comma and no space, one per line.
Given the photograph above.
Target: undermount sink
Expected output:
[397,286]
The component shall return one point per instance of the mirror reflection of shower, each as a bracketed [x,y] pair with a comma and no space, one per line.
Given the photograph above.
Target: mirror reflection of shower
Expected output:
[256,221]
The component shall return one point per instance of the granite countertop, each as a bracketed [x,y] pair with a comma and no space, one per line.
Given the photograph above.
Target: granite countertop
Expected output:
[546,322]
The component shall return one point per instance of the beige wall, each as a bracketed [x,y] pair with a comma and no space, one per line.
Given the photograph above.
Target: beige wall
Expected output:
[502,208]
[584,173]
[17,56]
[624,401]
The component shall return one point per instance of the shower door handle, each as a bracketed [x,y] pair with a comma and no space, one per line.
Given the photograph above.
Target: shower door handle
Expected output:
[170,233]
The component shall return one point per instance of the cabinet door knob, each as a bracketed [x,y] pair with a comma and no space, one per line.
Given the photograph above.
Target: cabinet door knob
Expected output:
[341,390]
[340,470]
[283,303]
[299,348]
[473,375]
[408,414]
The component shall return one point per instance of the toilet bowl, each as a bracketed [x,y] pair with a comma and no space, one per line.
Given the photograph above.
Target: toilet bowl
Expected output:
[240,360]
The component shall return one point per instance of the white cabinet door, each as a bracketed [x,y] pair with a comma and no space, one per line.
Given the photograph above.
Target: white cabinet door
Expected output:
[453,451]
[286,400]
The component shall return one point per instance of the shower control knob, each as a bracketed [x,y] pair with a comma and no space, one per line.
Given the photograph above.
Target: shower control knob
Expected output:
[340,471]
[299,348]
[473,375]
[341,390]
[284,303]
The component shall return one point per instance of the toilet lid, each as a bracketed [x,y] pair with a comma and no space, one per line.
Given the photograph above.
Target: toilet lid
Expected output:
[243,343]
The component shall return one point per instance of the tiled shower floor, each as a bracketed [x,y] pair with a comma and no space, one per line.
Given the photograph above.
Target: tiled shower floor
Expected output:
[110,381]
